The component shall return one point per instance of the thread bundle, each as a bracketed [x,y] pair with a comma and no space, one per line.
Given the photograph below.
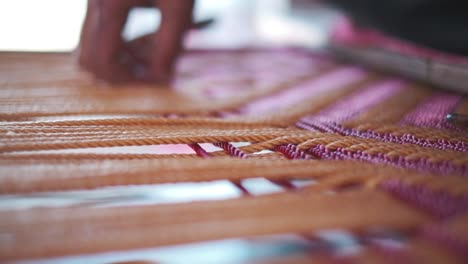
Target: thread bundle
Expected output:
[378,149]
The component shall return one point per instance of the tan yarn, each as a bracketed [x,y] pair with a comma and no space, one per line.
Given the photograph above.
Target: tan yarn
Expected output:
[367,171]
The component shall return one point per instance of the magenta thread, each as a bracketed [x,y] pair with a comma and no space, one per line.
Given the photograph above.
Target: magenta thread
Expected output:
[202,153]
[199,150]
[291,151]
[334,80]
[432,112]
[444,167]
[386,137]
[358,102]
[231,150]
[235,152]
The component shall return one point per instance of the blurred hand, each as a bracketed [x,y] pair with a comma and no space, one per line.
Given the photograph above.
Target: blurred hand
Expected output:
[104,53]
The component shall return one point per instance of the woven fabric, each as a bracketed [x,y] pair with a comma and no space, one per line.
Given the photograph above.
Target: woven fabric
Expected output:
[381,155]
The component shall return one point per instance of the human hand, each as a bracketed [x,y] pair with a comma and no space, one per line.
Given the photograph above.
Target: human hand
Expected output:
[104,53]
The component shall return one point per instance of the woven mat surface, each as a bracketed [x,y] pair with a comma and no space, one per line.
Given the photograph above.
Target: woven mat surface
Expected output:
[374,152]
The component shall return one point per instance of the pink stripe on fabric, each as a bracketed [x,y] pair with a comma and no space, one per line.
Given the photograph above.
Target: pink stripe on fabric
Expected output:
[430,113]
[433,111]
[439,167]
[331,81]
[358,102]
[455,145]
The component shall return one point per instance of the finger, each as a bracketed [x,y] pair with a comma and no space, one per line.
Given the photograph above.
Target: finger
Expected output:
[176,18]
[144,3]
[108,43]
[140,49]
[86,38]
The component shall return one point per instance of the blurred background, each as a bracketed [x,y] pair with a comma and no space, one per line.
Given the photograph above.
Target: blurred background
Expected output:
[54,25]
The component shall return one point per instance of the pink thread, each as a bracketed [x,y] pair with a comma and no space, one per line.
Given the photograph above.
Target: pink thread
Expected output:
[443,167]
[231,150]
[202,153]
[335,80]
[386,137]
[291,151]
[199,150]
[358,102]
[432,112]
